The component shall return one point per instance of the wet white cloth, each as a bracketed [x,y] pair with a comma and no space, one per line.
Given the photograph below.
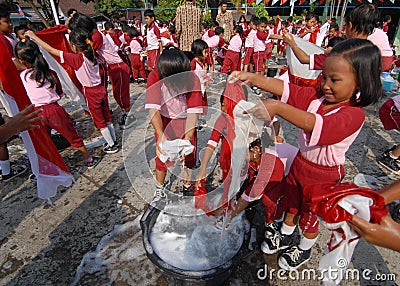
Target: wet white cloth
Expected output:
[343,240]
[175,149]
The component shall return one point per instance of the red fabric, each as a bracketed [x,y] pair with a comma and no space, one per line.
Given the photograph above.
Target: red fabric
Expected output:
[55,117]
[137,66]
[152,58]
[390,115]
[283,2]
[324,199]
[302,175]
[120,80]
[97,103]
[12,84]
[7,44]
[231,62]
[248,56]
[55,37]
[387,63]
[301,2]
[268,50]
[315,83]
[250,2]
[258,60]
[313,36]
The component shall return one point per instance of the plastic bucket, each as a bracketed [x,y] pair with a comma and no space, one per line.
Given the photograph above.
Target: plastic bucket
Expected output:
[175,276]
[388,83]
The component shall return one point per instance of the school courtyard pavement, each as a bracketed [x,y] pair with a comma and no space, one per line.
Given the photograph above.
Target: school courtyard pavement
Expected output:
[43,245]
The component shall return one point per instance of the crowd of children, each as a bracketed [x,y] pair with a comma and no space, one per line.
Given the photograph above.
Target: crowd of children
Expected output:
[351,80]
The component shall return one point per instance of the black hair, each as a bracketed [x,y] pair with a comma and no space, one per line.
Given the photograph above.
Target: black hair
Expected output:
[363,18]
[333,20]
[172,29]
[4,13]
[133,32]
[284,23]
[386,18]
[379,25]
[219,30]
[70,11]
[214,24]
[255,143]
[334,26]
[334,41]
[365,59]
[238,29]
[82,21]
[223,2]
[198,46]
[310,15]
[81,38]
[149,13]
[242,17]
[125,28]
[174,67]
[29,52]
[24,22]
[299,22]
[256,21]
[290,19]
[263,20]
[19,28]
[108,26]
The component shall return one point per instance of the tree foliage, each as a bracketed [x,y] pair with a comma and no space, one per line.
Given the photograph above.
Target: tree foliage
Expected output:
[112,8]
[260,9]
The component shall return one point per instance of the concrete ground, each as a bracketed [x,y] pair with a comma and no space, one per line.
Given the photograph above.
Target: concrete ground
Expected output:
[41,245]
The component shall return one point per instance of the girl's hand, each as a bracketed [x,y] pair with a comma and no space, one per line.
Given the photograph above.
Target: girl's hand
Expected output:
[265,110]
[288,38]
[30,34]
[242,76]
[200,175]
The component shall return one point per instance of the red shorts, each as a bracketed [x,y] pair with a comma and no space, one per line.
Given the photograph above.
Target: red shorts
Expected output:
[210,59]
[152,58]
[268,50]
[55,117]
[120,80]
[205,103]
[97,102]
[231,62]
[137,66]
[390,115]
[175,129]
[248,53]
[258,61]
[302,174]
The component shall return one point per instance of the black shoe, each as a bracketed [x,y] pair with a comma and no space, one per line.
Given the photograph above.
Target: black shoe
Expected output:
[111,149]
[95,160]
[274,240]
[389,163]
[15,171]
[293,258]
[386,153]
[126,121]
[188,191]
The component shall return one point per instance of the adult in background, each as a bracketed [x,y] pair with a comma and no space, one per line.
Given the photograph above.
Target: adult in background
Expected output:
[225,20]
[188,25]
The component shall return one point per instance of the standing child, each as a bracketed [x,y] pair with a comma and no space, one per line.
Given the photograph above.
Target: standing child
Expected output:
[153,38]
[351,81]
[210,32]
[44,90]
[136,55]
[308,32]
[232,56]
[333,29]
[249,42]
[259,46]
[215,42]
[84,62]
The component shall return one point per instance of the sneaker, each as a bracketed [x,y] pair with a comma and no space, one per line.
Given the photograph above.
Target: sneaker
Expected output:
[386,153]
[105,144]
[111,149]
[95,160]
[293,258]
[159,193]
[389,163]
[126,121]
[32,178]
[274,240]
[15,171]
[188,191]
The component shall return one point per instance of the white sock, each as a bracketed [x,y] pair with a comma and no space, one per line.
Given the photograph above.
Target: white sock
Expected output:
[107,136]
[5,167]
[287,229]
[112,132]
[392,156]
[307,243]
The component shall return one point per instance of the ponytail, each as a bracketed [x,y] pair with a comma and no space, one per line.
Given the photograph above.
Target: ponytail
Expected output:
[28,51]
[82,39]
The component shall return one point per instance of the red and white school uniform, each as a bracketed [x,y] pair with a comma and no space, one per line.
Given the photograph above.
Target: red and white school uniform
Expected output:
[54,116]
[232,56]
[173,110]
[98,44]
[389,113]
[311,37]
[207,35]
[259,50]
[322,152]
[249,47]
[153,45]
[213,43]
[118,71]
[269,44]
[198,69]
[94,92]
[380,39]
[137,62]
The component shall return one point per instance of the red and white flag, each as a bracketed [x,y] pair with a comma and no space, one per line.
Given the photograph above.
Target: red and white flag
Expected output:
[46,162]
